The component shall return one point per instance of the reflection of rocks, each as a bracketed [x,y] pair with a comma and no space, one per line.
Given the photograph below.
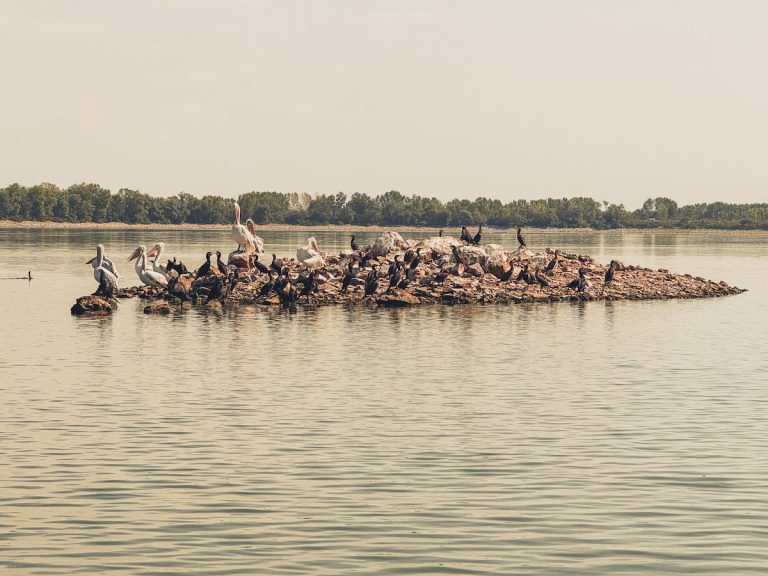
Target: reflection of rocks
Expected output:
[484,275]
[93,306]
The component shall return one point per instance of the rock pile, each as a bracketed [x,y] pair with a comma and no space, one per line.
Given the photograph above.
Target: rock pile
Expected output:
[435,270]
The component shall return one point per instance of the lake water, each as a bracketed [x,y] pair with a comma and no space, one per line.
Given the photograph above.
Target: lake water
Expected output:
[571,438]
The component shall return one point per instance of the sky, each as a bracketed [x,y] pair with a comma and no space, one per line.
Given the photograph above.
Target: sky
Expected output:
[616,100]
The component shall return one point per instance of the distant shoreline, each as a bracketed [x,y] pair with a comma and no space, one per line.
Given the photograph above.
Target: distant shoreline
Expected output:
[29,224]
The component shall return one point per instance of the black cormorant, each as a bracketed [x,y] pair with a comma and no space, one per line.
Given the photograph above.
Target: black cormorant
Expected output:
[268,286]
[609,273]
[552,264]
[478,236]
[276,265]
[205,269]
[520,238]
[258,265]
[465,237]
[347,278]
[353,244]
[309,286]
[416,260]
[440,234]
[579,283]
[220,265]
[394,266]
[371,282]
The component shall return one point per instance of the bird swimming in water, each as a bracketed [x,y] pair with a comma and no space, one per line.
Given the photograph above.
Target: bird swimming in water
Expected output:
[205,269]
[353,244]
[220,265]
[520,238]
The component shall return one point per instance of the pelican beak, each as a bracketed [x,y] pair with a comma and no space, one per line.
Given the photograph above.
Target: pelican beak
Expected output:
[91,260]
[134,255]
[152,253]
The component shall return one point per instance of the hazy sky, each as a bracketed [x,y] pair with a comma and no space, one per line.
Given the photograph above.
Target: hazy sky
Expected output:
[507,99]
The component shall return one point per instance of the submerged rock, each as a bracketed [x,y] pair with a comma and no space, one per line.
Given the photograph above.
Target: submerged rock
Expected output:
[93,306]
[157,308]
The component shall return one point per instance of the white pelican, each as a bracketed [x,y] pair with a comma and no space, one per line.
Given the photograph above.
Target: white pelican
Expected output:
[154,256]
[106,278]
[107,264]
[240,233]
[258,243]
[310,254]
[148,277]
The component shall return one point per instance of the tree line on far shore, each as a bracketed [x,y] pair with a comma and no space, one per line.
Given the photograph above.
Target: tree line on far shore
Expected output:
[92,203]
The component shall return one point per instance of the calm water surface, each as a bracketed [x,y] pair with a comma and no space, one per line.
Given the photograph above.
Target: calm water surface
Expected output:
[592,438]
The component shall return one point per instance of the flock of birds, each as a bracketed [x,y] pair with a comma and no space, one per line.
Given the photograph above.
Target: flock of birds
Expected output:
[217,280]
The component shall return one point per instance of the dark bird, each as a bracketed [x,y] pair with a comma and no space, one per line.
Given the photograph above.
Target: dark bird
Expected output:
[478,236]
[441,276]
[455,250]
[347,278]
[526,276]
[364,260]
[508,274]
[268,286]
[178,289]
[288,293]
[416,260]
[353,244]
[579,283]
[403,283]
[394,280]
[371,282]
[107,283]
[440,234]
[520,238]
[465,237]
[610,272]
[259,265]
[309,286]
[205,269]
[178,266]
[395,266]
[552,264]
[540,278]
[408,256]
[220,265]
[276,265]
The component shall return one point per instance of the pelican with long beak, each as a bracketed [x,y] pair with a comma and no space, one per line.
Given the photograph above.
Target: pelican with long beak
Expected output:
[106,278]
[241,234]
[148,277]
[154,255]
[258,243]
[106,263]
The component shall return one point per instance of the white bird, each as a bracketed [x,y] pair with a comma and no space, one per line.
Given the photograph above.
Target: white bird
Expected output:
[154,256]
[258,243]
[240,233]
[106,278]
[310,254]
[107,264]
[148,277]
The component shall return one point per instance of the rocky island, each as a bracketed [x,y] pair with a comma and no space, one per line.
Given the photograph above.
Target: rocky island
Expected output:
[397,272]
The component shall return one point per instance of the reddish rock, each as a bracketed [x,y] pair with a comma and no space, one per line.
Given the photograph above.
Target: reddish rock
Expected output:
[398,298]
[157,308]
[93,306]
